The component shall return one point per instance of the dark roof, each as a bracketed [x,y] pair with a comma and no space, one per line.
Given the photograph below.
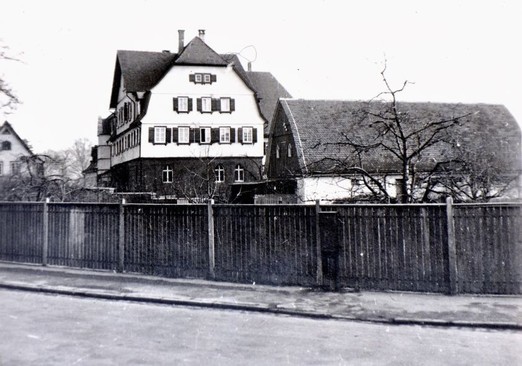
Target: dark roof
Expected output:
[318,127]
[197,52]
[7,126]
[269,90]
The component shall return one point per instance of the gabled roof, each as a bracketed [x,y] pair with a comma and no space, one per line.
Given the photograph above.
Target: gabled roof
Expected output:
[318,127]
[268,90]
[197,52]
[6,127]
[142,70]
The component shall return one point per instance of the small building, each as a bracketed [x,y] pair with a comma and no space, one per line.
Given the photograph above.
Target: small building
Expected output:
[186,125]
[13,151]
[321,150]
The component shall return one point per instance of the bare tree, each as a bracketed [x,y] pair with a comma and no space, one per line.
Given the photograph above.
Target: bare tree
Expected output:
[397,136]
[8,98]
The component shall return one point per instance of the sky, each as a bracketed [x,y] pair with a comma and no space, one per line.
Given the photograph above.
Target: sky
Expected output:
[458,51]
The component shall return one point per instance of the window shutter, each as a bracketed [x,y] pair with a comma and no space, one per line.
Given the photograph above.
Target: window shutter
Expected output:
[215,104]
[232,105]
[192,78]
[254,135]
[192,135]
[175,135]
[232,135]
[168,135]
[151,134]
[175,101]
[189,104]
[199,104]
[214,135]
[240,135]
[213,78]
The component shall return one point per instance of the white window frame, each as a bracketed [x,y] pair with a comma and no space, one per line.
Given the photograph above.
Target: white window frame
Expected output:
[207,79]
[183,104]
[183,137]
[167,175]
[198,78]
[248,135]
[206,104]
[224,105]
[239,173]
[160,135]
[219,173]
[224,135]
[207,133]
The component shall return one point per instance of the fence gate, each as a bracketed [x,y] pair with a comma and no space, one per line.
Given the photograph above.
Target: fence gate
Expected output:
[330,247]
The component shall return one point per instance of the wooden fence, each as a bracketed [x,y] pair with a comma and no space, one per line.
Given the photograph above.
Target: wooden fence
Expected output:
[461,248]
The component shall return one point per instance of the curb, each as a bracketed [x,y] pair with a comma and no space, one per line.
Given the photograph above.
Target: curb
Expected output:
[259,308]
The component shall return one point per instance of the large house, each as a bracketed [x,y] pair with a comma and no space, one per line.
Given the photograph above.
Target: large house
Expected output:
[332,150]
[13,150]
[186,125]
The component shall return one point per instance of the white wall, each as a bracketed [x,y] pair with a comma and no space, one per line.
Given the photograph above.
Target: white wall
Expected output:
[310,189]
[176,83]
[7,156]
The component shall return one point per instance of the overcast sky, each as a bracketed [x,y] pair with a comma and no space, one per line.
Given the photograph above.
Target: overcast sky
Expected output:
[453,51]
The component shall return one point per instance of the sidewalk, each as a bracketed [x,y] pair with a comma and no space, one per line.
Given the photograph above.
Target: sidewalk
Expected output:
[503,312]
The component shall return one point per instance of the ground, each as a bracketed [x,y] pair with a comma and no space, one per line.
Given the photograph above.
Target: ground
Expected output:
[60,330]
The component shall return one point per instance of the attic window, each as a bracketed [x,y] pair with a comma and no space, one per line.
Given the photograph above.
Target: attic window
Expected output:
[202,78]
[6,145]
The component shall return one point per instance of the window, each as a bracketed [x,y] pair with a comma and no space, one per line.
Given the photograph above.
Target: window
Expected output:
[160,135]
[220,174]
[239,173]
[183,135]
[224,104]
[183,104]
[248,135]
[224,135]
[167,175]
[202,78]
[278,152]
[15,167]
[204,135]
[206,104]
[6,145]
[289,150]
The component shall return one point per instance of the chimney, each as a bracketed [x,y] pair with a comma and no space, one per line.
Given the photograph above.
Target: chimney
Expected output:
[202,34]
[181,40]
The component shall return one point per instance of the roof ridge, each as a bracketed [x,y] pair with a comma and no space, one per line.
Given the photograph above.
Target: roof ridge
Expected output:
[298,136]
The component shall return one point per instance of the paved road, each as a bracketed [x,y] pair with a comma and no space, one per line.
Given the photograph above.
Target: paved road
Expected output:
[59,330]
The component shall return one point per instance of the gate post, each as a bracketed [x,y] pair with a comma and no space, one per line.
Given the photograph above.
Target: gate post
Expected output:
[452,248]
[121,237]
[45,244]
[319,277]
[211,242]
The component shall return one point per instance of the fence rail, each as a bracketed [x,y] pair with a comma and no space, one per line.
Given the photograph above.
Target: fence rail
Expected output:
[452,248]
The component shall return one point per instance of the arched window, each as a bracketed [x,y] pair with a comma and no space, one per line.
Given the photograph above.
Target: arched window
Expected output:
[220,173]
[6,145]
[239,173]
[289,150]
[167,175]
